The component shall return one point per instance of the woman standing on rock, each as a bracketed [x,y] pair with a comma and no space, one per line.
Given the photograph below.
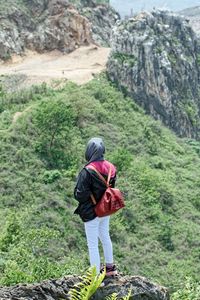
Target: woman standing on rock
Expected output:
[88,184]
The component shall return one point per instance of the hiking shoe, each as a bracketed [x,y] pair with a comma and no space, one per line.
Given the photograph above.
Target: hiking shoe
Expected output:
[111,271]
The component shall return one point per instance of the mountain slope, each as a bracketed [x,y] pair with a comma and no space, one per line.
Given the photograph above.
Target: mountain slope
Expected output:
[156,235]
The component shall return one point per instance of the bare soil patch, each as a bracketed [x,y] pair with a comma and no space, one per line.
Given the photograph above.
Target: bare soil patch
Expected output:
[79,66]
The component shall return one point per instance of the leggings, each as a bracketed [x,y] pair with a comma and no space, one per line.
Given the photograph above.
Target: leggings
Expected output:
[99,228]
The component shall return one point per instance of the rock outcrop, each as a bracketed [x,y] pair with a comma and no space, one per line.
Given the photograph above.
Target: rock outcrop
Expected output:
[44,25]
[41,26]
[102,18]
[63,29]
[141,289]
[155,59]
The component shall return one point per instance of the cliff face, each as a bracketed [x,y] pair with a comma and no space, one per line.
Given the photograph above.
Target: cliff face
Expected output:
[155,58]
[44,25]
[102,18]
[141,289]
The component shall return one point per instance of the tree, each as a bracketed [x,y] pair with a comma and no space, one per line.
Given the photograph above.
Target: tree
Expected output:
[54,121]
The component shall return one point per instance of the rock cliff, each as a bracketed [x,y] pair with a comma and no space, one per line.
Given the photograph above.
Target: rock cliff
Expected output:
[155,59]
[102,18]
[141,288]
[45,25]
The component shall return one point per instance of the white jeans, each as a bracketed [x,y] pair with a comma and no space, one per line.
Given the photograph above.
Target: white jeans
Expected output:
[99,229]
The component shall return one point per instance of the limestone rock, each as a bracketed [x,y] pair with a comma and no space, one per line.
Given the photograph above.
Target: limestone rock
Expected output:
[141,288]
[53,24]
[64,29]
[155,58]
[102,18]
[45,25]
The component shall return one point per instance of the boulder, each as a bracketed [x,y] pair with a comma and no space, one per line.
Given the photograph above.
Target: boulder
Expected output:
[142,289]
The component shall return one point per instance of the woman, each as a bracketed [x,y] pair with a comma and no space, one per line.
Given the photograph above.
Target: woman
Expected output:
[89,183]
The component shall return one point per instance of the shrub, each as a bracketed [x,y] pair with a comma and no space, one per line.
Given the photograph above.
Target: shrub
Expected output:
[165,236]
[54,121]
[121,158]
[51,176]
[190,291]
[11,234]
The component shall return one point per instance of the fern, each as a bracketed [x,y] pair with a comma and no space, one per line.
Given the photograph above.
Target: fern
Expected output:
[114,296]
[90,283]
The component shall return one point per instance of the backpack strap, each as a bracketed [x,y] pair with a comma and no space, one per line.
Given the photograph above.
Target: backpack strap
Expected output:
[100,176]
[109,176]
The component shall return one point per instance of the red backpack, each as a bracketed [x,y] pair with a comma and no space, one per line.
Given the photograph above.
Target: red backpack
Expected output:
[112,199]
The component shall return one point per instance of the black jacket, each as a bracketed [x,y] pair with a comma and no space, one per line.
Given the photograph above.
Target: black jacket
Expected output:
[88,183]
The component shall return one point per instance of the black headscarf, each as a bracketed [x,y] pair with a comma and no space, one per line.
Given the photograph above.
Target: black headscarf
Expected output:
[95,150]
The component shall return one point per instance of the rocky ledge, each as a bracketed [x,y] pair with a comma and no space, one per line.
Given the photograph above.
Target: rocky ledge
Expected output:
[141,289]
[155,59]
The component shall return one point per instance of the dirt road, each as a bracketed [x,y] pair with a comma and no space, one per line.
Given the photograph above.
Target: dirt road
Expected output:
[78,66]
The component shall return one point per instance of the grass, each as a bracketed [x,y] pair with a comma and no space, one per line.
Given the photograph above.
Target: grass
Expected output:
[156,235]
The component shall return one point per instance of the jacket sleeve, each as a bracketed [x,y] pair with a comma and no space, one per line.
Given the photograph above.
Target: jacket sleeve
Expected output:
[82,189]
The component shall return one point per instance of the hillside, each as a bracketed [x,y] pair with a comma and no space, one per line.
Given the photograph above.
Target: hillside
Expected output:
[156,235]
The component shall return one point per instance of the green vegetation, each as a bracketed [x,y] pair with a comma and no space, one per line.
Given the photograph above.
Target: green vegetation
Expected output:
[189,107]
[90,283]
[88,2]
[102,1]
[9,6]
[6,57]
[172,58]
[124,58]
[192,111]
[191,291]
[198,59]
[175,41]
[114,297]
[42,151]
[54,122]
[159,49]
